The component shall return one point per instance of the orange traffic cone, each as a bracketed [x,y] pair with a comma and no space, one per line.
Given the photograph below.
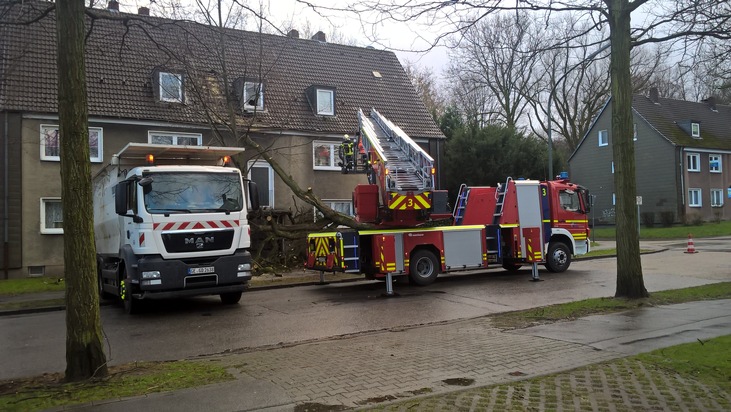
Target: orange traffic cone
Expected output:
[691,245]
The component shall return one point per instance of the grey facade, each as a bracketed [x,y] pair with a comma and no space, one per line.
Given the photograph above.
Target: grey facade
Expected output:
[127,103]
[682,155]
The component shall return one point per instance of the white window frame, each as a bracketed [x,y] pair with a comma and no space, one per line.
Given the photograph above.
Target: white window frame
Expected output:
[612,166]
[94,159]
[695,130]
[634,137]
[717,158]
[164,92]
[175,136]
[259,102]
[614,199]
[695,197]
[334,147]
[331,203]
[50,230]
[694,162]
[270,190]
[605,141]
[331,97]
[716,197]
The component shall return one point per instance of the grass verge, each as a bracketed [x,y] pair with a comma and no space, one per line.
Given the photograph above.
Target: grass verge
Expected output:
[12,287]
[573,310]
[708,229]
[48,390]
[706,361]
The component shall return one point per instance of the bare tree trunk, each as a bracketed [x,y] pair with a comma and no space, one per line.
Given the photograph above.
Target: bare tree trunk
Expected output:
[85,356]
[630,283]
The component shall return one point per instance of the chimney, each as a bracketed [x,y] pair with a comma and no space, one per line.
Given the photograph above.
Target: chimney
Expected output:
[294,34]
[319,36]
[143,11]
[711,102]
[654,95]
[113,5]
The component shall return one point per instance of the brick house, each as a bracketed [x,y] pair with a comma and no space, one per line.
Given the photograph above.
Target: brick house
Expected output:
[682,154]
[158,80]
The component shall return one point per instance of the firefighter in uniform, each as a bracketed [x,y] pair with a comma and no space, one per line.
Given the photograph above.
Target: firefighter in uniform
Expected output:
[346,154]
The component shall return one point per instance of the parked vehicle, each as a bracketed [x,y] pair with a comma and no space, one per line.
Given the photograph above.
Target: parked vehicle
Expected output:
[170,221]
[519,222]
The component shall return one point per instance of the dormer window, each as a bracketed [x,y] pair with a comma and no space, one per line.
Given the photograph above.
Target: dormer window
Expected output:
[322,100]
[171,87]
[250,93]
[325,102]
[695,130]
[253,96]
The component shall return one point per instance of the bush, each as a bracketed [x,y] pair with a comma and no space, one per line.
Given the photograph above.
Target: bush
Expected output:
[693,219]
[667,218]
[648,219]
[717,216]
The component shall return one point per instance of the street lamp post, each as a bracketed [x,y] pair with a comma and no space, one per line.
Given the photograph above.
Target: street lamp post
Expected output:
[588,58]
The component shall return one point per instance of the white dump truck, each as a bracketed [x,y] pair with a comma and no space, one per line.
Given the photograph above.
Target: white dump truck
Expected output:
[170,221]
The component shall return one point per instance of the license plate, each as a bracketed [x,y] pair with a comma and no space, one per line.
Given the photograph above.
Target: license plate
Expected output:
[198,271]
[321,259]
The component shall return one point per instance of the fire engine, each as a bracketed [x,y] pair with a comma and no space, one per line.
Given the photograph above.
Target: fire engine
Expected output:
[515,223]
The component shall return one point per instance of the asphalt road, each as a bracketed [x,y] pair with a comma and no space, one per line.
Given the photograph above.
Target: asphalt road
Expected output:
[35,343]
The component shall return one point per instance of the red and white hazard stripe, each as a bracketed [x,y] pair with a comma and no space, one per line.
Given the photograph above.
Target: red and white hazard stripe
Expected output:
[212,224]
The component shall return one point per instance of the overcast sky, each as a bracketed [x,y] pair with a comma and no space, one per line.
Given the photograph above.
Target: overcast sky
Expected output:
[397,37]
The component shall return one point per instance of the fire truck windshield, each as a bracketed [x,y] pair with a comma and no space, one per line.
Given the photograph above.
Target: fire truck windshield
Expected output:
[192,192]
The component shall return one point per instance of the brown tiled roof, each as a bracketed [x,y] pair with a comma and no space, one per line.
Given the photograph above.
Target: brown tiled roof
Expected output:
[123,50]
[668,115]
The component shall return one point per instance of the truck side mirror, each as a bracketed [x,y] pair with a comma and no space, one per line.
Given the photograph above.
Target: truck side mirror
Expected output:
[588,200]
[120,198]
[253,196]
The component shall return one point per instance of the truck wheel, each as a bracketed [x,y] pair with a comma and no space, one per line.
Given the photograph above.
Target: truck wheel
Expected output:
[559,257]
[132,306]
[423,268]
[230,298]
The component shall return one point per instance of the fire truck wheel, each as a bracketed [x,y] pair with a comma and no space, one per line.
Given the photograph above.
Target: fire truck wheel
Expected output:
[230,298]
[559,257]
[423,269]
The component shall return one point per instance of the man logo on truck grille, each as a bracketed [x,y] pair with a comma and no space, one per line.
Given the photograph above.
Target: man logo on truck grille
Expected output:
[199,241]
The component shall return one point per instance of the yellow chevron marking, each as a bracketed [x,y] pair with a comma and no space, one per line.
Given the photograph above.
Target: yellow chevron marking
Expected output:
[423,200]
[414,202]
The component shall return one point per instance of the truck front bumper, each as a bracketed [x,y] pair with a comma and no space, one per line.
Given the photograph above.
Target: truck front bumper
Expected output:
[158,278]
[152,295]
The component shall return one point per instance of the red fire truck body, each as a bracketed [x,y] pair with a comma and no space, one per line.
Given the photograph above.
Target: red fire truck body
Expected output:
[519,222]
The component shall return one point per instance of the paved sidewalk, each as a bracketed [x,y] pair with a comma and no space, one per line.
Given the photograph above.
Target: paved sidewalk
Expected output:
[431,362]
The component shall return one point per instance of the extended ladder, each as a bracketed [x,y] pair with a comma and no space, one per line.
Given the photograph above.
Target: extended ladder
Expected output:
[409,167]
[403,171]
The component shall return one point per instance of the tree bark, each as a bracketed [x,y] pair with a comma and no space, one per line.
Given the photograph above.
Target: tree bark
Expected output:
[630,283]
[85,356]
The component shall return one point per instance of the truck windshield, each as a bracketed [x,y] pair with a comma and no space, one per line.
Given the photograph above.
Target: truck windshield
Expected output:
[190,192]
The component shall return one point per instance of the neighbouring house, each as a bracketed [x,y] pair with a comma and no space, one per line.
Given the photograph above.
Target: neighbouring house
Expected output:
[682,157]
[159,80]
